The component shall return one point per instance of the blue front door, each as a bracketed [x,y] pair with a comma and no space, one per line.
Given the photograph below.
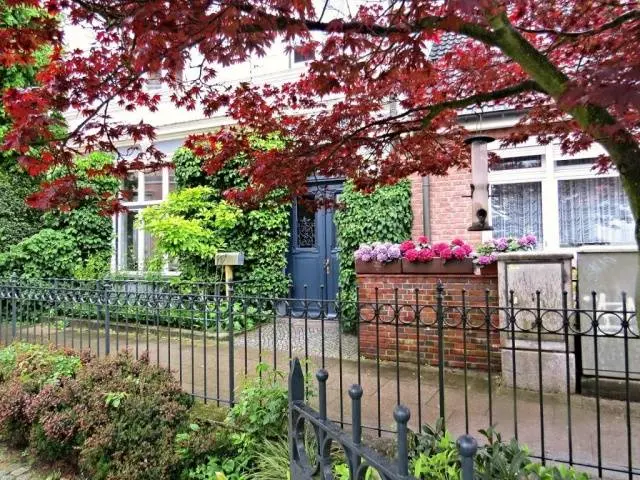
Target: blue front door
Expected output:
[314,250]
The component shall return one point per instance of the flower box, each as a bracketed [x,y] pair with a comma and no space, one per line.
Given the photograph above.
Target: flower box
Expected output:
[394,267]
[439,266]
[490,270]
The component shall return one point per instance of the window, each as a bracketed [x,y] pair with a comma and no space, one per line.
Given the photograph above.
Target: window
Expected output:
[172,180]
[129,241]
[513,163]
[517,209]
[594,211]
[566,162]
[305,224]
[131,186]
[153,186]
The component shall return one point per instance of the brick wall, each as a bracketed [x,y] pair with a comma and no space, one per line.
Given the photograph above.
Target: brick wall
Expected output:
[450,210]
[379,334]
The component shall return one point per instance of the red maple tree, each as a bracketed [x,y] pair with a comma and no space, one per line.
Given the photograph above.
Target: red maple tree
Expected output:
[572,66]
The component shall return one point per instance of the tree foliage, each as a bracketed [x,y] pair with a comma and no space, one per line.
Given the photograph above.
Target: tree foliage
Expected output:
[570,65]
[384,215]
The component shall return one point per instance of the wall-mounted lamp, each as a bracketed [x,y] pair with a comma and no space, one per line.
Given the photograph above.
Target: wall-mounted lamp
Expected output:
[479,182]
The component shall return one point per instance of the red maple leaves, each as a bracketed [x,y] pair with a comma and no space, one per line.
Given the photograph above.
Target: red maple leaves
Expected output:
[372,105]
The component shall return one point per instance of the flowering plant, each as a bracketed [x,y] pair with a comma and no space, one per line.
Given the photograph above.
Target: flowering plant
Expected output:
[487,251]
[422,251]
[382,252]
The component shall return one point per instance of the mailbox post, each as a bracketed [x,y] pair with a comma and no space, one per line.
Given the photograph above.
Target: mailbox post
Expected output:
[229,260]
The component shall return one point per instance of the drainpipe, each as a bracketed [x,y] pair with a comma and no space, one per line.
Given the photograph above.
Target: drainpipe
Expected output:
[426,207]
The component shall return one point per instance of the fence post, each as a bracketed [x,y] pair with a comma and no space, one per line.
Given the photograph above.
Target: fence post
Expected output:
[232,379]
[14,305]
[296,395]
[467,446]
[401,414]
[355,392]
[106,296]
[440,321]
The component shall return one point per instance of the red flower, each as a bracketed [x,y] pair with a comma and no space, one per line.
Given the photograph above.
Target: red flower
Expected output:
[423,240]
[438,247]
[446,253]
[407,245]
[411,254]
[459,253]
[425,255]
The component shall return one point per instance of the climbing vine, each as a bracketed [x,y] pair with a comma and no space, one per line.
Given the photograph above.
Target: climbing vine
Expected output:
[384,215]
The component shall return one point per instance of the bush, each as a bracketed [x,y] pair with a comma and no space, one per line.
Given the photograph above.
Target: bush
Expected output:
[435,455]
[261,233]
[75,241]
[25,371]
[384,215]
[113,418]
[48,253]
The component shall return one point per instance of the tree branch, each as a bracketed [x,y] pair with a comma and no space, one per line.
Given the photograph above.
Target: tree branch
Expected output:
[631,15]
[526,86]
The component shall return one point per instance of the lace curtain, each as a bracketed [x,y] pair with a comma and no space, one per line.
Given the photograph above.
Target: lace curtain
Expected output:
[594,211]
[516,209]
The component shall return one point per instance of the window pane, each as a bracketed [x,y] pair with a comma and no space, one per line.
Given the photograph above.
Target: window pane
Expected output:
[517,209]
[566,162]
[149,249]
[131,187]
[129,241]
[514,163]
[172,180]
[153,186]
[594,211]
[306,224]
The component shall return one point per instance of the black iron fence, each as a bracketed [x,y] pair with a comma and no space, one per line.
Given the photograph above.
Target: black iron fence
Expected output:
[313,459]
[563,380]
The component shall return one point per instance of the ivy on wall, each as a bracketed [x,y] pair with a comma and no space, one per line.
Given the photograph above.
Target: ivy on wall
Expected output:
[77,242]
[262,234]
[383,215]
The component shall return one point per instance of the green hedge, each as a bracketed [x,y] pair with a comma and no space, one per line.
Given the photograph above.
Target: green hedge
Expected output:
[384,215]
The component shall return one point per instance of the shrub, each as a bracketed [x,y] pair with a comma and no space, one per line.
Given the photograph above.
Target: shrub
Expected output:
[25,371]
[435,455]
[48,253]
[261,233]
[262,406]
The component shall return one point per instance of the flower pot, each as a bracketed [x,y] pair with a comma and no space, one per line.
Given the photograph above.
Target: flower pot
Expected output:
[439,266]
[490,270]
[374,267]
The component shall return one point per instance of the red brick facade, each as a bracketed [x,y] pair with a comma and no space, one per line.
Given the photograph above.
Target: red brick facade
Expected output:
[449,209]
[379,335]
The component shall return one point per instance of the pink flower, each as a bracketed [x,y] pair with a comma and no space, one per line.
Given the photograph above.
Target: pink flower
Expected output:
[467,249]
[411,255]
[423,240]
[407,245]
[458,242]
[446,253]
[425,255]
[438,247]
[459,253]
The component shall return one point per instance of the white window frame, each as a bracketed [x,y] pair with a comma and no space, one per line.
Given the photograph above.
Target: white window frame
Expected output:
[548,175]
[119,259]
